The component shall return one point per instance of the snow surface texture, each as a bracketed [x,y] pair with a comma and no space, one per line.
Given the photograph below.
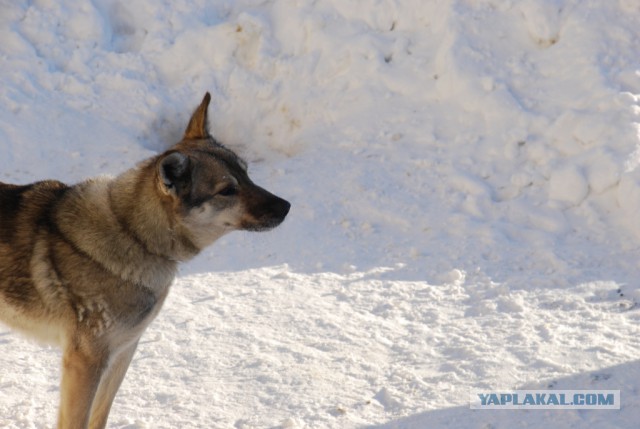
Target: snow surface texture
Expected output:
[465,184]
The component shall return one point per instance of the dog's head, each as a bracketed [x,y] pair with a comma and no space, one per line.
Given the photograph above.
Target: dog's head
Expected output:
[208,188]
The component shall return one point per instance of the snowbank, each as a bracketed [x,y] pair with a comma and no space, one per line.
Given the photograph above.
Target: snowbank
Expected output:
[440,134]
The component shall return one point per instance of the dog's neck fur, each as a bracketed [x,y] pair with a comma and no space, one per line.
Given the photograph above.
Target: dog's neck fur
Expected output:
[155,239]
[134,195]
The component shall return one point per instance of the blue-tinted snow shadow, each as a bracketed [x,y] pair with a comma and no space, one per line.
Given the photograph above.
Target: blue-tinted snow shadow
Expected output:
[246,250]
[624,377]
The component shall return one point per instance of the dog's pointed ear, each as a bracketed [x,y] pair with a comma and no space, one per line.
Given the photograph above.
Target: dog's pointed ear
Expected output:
[174,171]
[198,127]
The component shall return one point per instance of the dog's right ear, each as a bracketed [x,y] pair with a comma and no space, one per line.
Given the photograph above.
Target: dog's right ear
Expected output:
[174,171]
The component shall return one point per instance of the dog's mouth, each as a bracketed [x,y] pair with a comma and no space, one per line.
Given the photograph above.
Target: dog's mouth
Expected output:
[262,225]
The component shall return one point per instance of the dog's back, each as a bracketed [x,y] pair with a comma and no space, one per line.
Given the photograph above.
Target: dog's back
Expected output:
[26,205]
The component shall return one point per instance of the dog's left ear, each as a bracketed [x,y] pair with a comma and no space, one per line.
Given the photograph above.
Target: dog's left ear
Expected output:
[198,127]
[174,171]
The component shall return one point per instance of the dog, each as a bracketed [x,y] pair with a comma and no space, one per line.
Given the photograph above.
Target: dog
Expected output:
[87,267]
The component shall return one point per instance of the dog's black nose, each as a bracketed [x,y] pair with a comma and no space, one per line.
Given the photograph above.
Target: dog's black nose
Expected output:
[276,210]
[266,211]
[282,207]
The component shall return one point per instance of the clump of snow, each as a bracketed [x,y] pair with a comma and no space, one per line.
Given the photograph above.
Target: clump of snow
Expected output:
[568,184]
[465,184]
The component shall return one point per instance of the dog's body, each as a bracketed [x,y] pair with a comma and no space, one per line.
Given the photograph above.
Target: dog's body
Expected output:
[88,266]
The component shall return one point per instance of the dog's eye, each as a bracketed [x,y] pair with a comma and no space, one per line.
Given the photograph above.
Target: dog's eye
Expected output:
[228,191]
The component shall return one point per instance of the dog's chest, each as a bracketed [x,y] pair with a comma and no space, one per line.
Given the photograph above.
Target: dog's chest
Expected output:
[117,305]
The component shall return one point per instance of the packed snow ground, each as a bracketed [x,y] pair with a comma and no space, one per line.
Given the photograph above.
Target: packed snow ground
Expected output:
[465,187]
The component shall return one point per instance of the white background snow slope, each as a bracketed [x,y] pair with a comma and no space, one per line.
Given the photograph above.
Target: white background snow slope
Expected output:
[465,184]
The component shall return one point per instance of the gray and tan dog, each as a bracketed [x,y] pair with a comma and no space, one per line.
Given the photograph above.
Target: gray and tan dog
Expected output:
[88,266]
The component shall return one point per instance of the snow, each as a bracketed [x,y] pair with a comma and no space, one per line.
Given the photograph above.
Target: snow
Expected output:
[465,185]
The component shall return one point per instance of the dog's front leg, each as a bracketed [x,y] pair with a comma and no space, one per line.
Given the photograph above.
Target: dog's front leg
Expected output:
[82,367]
[111,380]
